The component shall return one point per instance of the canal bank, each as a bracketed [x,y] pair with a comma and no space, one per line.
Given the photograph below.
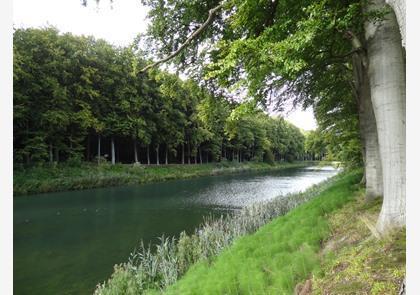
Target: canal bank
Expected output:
[65,177]
[324,245]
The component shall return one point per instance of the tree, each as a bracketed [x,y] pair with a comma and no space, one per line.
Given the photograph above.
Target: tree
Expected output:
[387,80]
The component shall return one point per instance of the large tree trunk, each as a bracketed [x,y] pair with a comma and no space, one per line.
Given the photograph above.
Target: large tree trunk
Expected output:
[367,124]
[166,156]
[136,159]
[387,81]
[374,181]
[148,155]
[99,149]
[157,155]
[112,151]
[199,153]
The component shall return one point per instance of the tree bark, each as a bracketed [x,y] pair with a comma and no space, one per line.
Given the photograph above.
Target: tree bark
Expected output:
[367,125]
[199,153]
[399,9]
[136,159]
[166,156]
[387,80]
[148,155]
[99,149]
[112,151]
[373,167]
[157,155]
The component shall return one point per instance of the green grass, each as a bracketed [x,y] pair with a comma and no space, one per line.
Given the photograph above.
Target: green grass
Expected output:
[50,178]
[275,258]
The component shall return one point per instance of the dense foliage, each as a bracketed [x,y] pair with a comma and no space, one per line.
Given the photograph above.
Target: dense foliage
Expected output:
[76,97]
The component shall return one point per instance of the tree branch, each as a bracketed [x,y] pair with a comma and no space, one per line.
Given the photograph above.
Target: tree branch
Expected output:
[212,14]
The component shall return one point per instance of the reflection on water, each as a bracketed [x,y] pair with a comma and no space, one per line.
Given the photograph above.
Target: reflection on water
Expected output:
[66,242]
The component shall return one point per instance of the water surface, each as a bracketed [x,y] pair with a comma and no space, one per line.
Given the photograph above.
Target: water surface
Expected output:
[67,242]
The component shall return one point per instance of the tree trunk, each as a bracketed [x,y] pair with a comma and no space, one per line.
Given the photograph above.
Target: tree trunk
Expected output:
[166,156]
[112,151]
[157,155]
[399,9]
[51,153]
[148,155]
[183,154]
[373,167]
[387,80]
[88,148]
[189,154]
[136,159]
[367,125]
[57,154]
[199,153]
[99,149]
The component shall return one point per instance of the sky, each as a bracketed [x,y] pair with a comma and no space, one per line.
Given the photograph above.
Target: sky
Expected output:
[118,22]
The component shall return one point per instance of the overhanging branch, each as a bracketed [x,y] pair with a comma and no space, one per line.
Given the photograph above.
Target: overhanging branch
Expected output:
[209,20]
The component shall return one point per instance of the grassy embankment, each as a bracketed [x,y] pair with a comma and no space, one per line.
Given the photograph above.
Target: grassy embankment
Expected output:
[325,246]
[329,242]
[50,178]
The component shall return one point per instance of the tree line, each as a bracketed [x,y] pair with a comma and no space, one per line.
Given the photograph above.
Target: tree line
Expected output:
[81,99]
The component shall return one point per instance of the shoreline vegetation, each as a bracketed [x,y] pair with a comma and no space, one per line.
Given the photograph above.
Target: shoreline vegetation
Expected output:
[305,241]
[159,268]
[65,177]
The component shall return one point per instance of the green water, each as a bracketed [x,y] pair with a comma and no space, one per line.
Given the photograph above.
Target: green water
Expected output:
[67,242]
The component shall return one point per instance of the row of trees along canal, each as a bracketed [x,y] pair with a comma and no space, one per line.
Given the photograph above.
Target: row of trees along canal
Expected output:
[345,58]
[76,98]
